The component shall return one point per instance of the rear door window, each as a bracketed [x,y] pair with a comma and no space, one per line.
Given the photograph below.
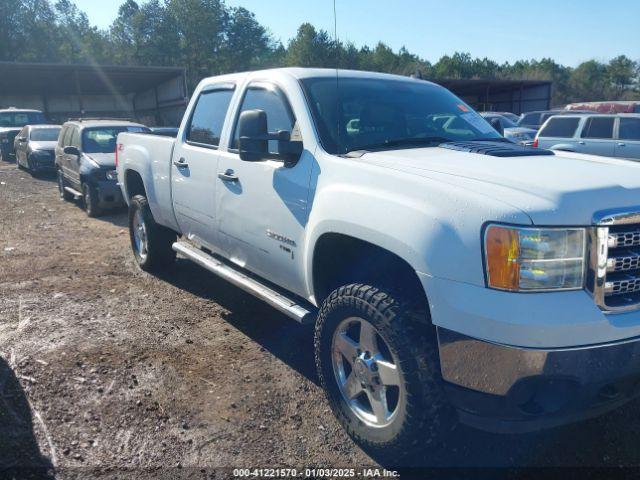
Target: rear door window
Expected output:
[65,138]
[560,127]
[599,127]
[75,138]
[208,117]
[629,129]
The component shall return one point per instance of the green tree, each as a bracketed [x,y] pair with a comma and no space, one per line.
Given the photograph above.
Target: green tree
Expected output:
[622,73]
[312,48]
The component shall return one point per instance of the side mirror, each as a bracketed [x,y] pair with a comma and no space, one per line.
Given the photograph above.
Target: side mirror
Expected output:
[254,137]
[495,123]
[70,150]
[253,142]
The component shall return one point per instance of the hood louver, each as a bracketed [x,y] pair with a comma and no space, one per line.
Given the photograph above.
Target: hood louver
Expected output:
[496,149]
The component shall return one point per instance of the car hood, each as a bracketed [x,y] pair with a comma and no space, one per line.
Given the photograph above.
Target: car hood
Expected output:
[103,159]
[42,145]
[10,129]
[561,189]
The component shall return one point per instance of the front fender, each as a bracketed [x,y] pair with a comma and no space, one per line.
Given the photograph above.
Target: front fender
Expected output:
[434,227]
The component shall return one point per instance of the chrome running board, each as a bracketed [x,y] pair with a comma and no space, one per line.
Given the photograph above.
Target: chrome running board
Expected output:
[289,307]
[73,191]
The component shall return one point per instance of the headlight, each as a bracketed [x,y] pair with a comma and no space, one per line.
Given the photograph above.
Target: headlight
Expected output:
[530,259]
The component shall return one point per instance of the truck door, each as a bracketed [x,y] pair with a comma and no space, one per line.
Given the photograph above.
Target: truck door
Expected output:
[195,165]
[597,136]
[263,206]
[628,143]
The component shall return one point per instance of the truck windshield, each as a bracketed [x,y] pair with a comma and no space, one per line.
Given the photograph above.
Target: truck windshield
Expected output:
[103,139]
[371,113]
[20,119]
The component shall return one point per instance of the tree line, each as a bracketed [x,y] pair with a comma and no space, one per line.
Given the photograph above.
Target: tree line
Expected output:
[209,37]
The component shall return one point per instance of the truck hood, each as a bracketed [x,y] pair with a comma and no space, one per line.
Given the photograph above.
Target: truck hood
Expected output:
[103,159]
[561,189]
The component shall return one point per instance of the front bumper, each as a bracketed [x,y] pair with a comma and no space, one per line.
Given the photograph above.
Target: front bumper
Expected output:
[109,194]
[509,389]
[42,162]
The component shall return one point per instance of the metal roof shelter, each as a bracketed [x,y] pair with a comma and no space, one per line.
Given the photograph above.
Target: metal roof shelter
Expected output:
[153,95]
[517,96]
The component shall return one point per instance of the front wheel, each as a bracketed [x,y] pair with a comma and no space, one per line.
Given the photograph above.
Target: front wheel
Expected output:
[378,365]
[90,201]
[151,243]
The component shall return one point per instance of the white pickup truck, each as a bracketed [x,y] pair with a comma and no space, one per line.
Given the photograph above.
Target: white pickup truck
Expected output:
[451,275]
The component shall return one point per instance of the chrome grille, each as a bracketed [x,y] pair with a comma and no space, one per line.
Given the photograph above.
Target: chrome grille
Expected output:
[624,261]
[624,239]
[615,262]
[625,285]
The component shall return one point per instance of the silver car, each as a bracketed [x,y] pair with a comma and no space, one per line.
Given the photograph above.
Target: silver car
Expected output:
[596,134]
[509,129]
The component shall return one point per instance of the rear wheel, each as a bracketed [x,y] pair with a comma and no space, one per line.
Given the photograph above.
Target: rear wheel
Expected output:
[151,243]
[90,200]
[379,368]
[64,195]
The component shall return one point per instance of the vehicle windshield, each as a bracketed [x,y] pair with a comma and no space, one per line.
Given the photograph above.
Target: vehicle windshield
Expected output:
[20,119]
[364,113]
[45,134]
[103,139]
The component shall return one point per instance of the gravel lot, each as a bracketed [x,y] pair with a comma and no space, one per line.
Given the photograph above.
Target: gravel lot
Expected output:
[108,371]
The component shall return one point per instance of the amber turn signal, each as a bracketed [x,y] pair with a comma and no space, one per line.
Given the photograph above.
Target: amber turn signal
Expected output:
[503,253]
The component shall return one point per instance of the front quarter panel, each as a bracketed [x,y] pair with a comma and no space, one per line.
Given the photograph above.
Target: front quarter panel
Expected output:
[434,225]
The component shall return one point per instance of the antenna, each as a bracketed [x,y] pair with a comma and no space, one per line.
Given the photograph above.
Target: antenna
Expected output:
[337,47]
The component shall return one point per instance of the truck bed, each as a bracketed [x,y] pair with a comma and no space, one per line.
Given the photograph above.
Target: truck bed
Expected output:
[150,156]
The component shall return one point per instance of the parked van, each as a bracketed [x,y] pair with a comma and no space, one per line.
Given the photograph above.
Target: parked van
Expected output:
[596,134]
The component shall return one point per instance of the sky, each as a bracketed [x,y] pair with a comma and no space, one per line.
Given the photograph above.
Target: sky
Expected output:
[569,31]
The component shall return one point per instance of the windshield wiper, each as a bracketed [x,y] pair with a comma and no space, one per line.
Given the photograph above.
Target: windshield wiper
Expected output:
[400,142]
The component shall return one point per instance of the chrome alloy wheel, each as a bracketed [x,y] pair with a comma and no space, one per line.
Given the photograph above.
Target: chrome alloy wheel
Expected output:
[367,372]
[140,235]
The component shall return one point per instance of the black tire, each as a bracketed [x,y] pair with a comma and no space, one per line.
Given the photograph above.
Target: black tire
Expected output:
[423,416]
[64,195]
[90,201]
[158,254]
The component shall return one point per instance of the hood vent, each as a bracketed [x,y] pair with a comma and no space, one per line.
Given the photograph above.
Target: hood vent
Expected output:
[496,149]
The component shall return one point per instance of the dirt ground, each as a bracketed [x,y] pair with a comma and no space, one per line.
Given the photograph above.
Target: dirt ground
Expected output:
[106,371]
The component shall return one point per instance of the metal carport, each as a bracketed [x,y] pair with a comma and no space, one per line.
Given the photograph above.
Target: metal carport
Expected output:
[151,95]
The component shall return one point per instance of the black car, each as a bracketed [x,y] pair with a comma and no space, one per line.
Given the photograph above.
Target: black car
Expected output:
[86,162]
[35,147]
[12,120]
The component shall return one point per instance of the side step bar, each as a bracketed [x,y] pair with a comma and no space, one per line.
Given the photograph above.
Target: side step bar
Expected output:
[73,191]
[278,301]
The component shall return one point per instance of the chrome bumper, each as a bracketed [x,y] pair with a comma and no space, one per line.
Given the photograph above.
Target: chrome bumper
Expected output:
[504,388]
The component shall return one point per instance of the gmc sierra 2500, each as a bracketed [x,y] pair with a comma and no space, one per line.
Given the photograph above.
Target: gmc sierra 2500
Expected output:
[451,275]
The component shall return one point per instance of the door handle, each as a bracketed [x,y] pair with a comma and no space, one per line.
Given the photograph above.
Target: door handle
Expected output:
[580,142]
[182,163]
[228,176]
[620,144]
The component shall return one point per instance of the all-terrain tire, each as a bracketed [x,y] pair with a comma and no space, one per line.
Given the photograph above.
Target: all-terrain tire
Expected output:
[90,201]
[424,417]
[158,254]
